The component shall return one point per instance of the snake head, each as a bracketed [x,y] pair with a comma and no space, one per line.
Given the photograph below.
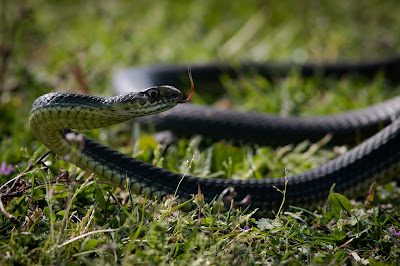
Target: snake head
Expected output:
[149,101]
[160,94]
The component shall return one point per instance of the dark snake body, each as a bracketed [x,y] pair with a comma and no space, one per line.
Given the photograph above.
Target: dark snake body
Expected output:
[376,159]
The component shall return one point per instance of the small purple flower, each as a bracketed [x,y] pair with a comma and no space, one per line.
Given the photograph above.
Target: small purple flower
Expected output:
[245,228]
[394,232]
[5,170]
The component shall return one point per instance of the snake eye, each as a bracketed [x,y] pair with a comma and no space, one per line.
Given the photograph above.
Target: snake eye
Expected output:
[153,93]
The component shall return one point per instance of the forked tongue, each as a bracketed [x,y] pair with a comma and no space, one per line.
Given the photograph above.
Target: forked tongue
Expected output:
[192,88]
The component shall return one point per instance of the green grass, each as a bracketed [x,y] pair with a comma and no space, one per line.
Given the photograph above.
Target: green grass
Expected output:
[81,221]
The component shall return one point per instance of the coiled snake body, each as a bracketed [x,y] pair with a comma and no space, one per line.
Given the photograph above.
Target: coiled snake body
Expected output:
[376,159]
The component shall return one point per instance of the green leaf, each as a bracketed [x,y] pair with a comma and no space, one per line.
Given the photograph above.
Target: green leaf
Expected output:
[99,195]
[340,202]
[207,221]
[60,214]
[338,235]
[51,216]
[268,224]
[61,195]
[91,244]
[38,194]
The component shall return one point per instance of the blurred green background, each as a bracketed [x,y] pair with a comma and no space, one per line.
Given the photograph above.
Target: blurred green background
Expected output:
[125,33]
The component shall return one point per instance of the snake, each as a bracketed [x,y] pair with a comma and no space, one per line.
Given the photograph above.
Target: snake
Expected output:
[376,159]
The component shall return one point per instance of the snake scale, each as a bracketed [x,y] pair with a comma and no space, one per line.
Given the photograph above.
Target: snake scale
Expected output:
[376,159]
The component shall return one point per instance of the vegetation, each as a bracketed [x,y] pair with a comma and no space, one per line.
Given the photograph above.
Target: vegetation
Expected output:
[54,213]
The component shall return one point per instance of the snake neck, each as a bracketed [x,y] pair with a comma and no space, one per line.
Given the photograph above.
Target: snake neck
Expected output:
[53,113]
